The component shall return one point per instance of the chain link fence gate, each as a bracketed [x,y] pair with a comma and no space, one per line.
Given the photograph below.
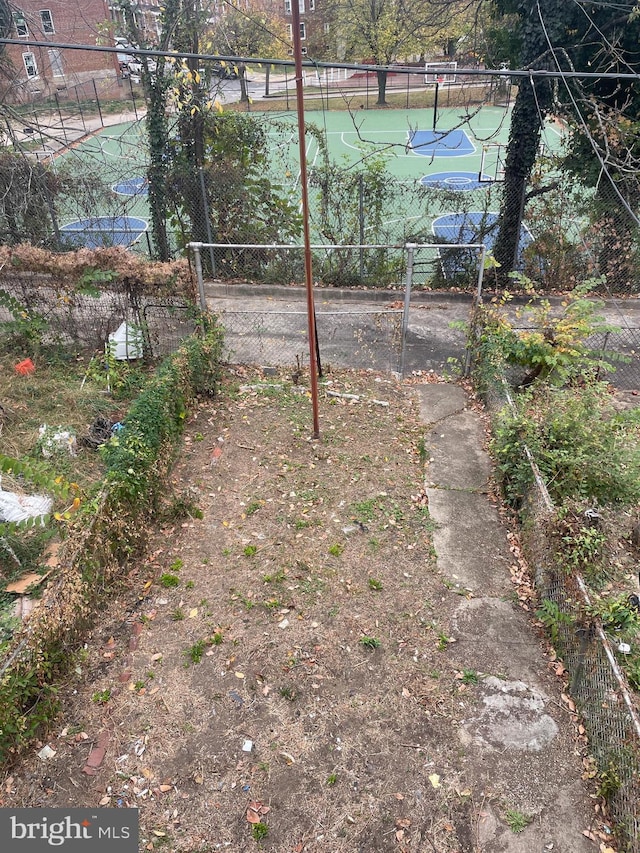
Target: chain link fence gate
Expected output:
[414,329]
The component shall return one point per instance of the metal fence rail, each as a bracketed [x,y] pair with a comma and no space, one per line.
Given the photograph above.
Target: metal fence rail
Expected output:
[607,706]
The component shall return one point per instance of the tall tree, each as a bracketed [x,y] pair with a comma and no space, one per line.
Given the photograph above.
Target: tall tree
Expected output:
[386,31]
[247,29]
[157,82]
[530,110]
[603,115]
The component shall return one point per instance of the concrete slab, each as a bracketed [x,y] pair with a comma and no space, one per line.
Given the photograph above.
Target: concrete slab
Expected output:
[495,637]
[456,447]
[470,544]
[440,400]
[522,756]
[545,832]
[512,717]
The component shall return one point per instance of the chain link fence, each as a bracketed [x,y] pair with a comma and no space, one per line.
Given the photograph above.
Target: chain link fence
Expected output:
[602,697]
[608,708]
[52,312]
[361,340]
[246,187]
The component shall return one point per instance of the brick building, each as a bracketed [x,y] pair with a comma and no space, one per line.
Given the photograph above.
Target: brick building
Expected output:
[41,70]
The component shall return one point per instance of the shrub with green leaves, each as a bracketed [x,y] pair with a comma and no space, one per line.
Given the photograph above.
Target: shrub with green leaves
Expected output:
[28,696]
[553,345]
[584,448]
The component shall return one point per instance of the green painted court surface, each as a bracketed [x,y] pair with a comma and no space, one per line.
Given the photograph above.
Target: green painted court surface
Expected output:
[118,154]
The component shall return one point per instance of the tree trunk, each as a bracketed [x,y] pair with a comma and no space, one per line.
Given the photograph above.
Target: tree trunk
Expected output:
[529,112]
[242,75]
[382,88]
[157,171]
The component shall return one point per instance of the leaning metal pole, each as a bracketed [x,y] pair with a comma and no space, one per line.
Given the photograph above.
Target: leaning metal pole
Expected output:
[308,271]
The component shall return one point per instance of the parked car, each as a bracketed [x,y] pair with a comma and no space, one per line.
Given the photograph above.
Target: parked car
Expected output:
[131,66]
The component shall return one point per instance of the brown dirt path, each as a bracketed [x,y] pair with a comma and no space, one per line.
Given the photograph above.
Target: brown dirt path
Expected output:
[279,674]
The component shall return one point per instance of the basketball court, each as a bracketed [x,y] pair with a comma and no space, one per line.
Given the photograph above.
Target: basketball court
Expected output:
[413,144]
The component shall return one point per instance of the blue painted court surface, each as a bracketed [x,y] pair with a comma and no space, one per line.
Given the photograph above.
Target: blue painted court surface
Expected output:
[131,186]
[472,227]
[443,143]
[456,181]
[104,231]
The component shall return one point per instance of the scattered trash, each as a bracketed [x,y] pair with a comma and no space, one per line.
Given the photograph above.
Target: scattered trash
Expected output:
[25,368]
[14,508]
[46,752]
[126,343]
[100,431]
[55,440]
[247,745]
[624,648]
[355,397]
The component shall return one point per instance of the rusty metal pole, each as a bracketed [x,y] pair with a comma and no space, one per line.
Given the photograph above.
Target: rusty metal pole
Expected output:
[308,271]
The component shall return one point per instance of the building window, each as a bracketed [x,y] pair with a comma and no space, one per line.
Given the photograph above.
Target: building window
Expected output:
[21,25]
[290,31]
[287,7]
[47,22]
[30,65]
[55,61]
[327,28]
[312,5]
[301,6]
[303,31]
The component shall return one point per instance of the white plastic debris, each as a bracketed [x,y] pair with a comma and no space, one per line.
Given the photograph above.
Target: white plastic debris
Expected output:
[16,508]
[56,439]
[46,752]
[247,745]
[126,342]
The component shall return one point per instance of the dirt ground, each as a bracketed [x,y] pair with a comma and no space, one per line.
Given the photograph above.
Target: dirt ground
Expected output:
[278,673]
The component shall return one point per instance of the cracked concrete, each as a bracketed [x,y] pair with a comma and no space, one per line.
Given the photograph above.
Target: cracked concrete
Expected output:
[523,756]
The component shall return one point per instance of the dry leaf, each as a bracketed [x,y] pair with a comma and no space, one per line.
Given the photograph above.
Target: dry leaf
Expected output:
[193,613]
[399,796]
[589,835]
[240,675]
[165,788]
[435,780]
[399,834]
[159,833]
[403,822]
[105,801]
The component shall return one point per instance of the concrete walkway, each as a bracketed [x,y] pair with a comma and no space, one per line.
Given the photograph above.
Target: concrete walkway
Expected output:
[520,739]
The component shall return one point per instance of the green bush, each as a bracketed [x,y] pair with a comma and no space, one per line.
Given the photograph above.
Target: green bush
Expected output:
[584,448]
[136,460]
